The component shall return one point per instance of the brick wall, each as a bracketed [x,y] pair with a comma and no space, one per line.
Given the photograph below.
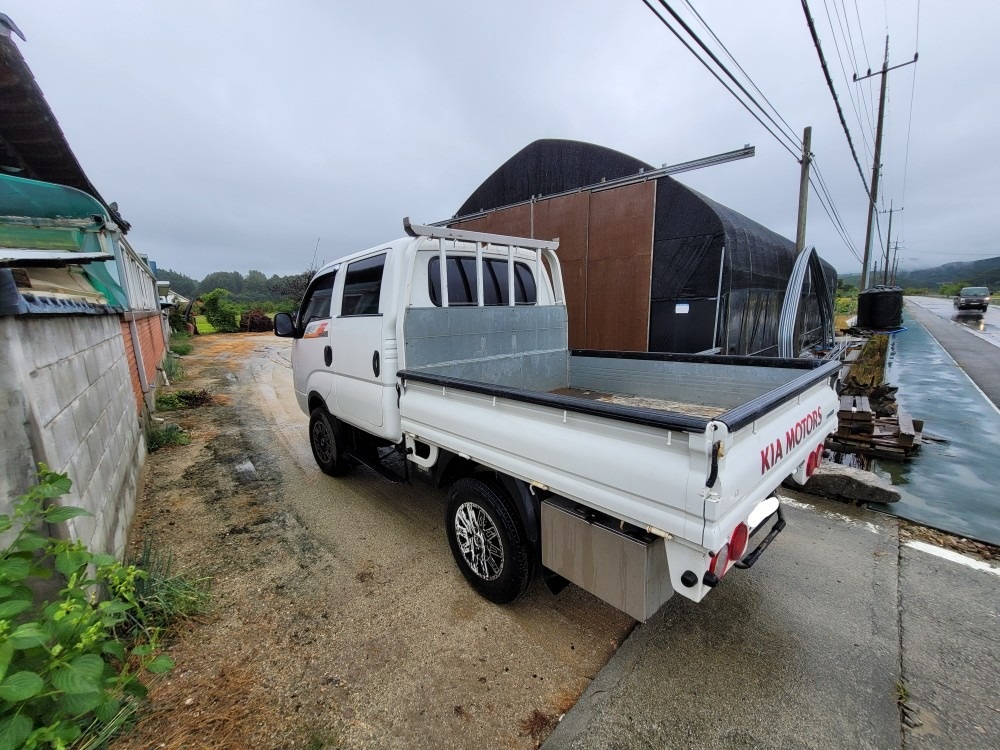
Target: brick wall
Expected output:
[67,395]
[152,347]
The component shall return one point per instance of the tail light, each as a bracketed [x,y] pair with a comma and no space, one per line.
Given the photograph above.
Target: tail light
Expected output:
[720,562]
[731,551]
[738,542]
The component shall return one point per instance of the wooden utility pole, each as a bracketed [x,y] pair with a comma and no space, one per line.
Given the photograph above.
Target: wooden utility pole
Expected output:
[800,232]
[877,157]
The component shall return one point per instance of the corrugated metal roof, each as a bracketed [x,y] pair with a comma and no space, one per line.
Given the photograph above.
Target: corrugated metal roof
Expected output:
[32,144]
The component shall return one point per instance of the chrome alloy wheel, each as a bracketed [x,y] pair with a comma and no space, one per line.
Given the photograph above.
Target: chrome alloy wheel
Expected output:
[479,541]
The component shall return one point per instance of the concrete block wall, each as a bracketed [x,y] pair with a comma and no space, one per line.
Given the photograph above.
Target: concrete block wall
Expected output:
[66,383]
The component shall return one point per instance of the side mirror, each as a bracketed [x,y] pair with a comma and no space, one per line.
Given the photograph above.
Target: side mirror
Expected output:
[284,326]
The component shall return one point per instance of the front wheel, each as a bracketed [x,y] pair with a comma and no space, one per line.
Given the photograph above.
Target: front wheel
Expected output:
[487,541]
[324,439]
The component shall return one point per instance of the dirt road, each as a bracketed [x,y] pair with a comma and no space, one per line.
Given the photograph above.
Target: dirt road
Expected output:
[339,619]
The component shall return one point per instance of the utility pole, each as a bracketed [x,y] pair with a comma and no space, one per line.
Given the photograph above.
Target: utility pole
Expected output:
[895,262]
[800,232]
[888,240]
[876,159]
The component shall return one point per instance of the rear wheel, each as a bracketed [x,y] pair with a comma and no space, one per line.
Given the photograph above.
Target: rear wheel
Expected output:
[324,438]
[487,541]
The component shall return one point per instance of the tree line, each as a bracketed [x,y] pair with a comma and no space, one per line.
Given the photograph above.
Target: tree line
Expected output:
[255,289]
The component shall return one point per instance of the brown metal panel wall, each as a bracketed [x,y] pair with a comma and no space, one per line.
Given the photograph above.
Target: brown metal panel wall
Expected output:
[620,261]
[567,218]
[515,221]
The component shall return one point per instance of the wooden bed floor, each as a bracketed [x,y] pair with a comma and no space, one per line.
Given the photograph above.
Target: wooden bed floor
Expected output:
[642,402]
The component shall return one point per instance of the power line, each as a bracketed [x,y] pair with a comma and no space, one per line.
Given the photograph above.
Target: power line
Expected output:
[833,91]
[792,138]
[909,120]
[832,211]
[864,46]
[869,106]
[690,49]
[737,64]
[862,124]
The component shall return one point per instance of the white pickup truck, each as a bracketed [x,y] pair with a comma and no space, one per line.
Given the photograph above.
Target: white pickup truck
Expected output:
[631,475]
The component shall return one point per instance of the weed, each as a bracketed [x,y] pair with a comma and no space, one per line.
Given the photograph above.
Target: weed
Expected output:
[538,725]
[173,368]
[168,434]
[902,692]
[67,670]
[166,596]
[183,399]
[181,349]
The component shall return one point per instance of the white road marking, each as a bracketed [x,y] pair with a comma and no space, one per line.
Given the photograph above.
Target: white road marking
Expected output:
[832,515]
[955,557]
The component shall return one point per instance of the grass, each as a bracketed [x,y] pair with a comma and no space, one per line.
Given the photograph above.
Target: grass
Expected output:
[173,368]
[202,324]
[165,596]
[168,434]
[902,692]
[183,399]
[180,344]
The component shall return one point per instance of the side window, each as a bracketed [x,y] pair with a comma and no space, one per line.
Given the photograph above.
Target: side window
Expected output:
[462,282]
[316,304]
[363,286]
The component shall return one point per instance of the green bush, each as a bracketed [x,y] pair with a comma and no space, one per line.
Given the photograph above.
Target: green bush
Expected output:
[220,311]
[65,667]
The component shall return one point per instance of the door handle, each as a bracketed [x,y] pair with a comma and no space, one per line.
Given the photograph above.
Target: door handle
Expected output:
[375,363]
[327,355]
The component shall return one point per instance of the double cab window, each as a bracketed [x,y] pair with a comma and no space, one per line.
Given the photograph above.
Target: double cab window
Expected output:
[316,303]
[363,286]
[462,281]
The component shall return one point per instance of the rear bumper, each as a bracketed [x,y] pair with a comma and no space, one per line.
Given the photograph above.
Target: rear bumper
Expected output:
[761,537]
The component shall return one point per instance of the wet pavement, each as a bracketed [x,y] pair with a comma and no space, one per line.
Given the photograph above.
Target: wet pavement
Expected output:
[952,485]
[984,326]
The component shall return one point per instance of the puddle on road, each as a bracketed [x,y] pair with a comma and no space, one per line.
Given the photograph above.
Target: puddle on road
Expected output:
[953,485]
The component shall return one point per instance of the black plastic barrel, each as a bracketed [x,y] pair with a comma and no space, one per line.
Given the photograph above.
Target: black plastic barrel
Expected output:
[880,308]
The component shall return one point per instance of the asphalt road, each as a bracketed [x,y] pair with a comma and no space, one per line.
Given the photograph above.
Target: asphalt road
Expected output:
[972,341]
[985,327]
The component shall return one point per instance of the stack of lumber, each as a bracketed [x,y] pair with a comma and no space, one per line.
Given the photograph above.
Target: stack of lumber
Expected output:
[861,431]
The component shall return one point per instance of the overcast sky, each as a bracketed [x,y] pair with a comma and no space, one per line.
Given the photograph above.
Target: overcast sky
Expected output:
[234,134]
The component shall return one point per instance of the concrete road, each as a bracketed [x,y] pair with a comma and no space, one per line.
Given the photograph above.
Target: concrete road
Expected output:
[812,648]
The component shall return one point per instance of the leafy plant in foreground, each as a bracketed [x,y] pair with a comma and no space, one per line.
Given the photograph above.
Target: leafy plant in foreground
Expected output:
[63,667]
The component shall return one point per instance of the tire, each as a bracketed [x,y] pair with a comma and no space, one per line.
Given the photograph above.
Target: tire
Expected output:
[325,441]
[487,541]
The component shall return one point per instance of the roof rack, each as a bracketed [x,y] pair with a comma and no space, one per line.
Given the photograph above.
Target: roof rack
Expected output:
[461,235]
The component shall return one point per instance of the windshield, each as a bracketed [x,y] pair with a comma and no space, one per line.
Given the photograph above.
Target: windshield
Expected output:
[974,291]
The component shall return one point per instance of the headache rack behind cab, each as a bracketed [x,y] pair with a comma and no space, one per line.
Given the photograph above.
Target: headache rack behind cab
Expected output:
[485,243]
